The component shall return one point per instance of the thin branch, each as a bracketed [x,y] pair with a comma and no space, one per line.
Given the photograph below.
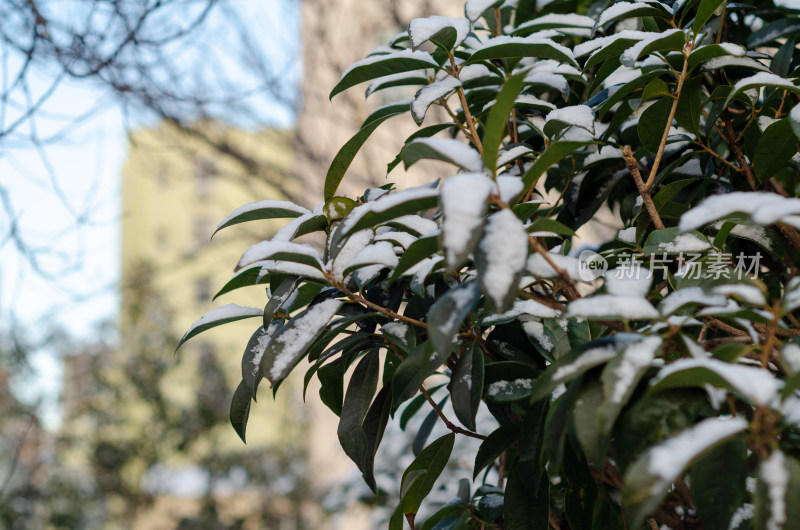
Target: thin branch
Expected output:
[450,425]
[388,312]
[467,114]
[573,292]
[644,191]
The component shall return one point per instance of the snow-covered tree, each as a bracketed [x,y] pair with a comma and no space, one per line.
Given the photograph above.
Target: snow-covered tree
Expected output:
[650,381]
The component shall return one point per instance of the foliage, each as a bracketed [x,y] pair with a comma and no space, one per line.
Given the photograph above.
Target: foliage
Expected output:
[652,393]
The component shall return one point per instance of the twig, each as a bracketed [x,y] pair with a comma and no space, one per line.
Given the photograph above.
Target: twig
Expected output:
[561,272]
[737,152]
[467,114]
[388,312]
[450,425]
[633,168]
[769,341]
[687,49]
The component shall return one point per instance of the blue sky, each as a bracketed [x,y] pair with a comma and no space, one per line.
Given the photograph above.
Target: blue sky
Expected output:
[79,175]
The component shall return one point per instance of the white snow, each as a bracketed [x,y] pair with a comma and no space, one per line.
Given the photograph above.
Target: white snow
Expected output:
[265,249]
[752,382]
[570,20]
[749,293]
[290,267]
[395,329]
[355,243]
[474,8]
[631,55]
[535,329]
[263,205]
[422,270]
[474,71]
[608,306]
[223,313]
[463,199]
[288,232]
[775,476]
[502,387]
[588,359]
[508,155]
[669,459]
[684,243]
[403,54]
[548,79]
[404,239]
[762,79]
[527,99]
[689,295]
[458,152]
[261,346]
[790,355]
[505,246]
[385,203]
[727,60]
[523,307]
[433,92]
[577,115]
[506,40]
[628,281]
[618,9]
[635,358]
[380,253]
[388,79]
[540,268]
[422,29]
[794,116]
[291,342]
[756,203]
[745,512]
[628,235]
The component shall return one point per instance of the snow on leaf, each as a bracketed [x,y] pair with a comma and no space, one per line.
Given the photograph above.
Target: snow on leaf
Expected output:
[453,151]
[433,92]
[556,21]
[464,201]
[509,155]
[403,239]
[475,8]
[504,251]
[666,461]
[749,293]
[420,30]
[503,391]
[415,223]
[619,10]
[688,295]
[217,317]
[540,268]
[380,253]
[267,209]
[585,361]
[506,46]
[627,235]
[761,79]
[628,367]
[382,65]
[752,382]
[774,474]
[523,307]
[794,119]
[764,207]
[684,243]
[291,343]
[578,115]
[632,54]
[292,268]
[550,79]
[790,355]
[612,307]
[403,78]
[268,249]
[628,281]
[447,313]
[355,243]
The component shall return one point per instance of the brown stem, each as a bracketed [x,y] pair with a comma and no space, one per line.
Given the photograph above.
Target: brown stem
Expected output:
[450,425]
[718,39]
[687,49]
[467,114]
[737,152]
[388,312]
[572,289]
[633,168]
[769,342]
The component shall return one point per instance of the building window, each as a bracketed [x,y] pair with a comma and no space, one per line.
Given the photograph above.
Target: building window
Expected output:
[202,290]
[204,171]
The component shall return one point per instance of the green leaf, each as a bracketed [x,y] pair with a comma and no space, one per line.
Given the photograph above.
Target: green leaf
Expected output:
[494,131]
[422,248]
[586,421]
[515,47]
[706,9]
[377,66]
[759,81]
[408,375]
[240,409]
[775,147]
[386,208]
[419,478]
[341,162]
[552,155]
[670,40]
[291,343]
[251,370]
[635,10]
[794,119]
[690,105]
[708,52]
[374,427]
[718,483]
[279,297]
[446,316]
[261,210]
[526,508]
[663,240]
[497,443]
[652,124]
[217,317]
[357,400]
[425,132]
[466,386]
[337,208]
[777,490]
[444,149]
[543,224]
[331,379]
[243,278]
[647,480]
[773,31]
